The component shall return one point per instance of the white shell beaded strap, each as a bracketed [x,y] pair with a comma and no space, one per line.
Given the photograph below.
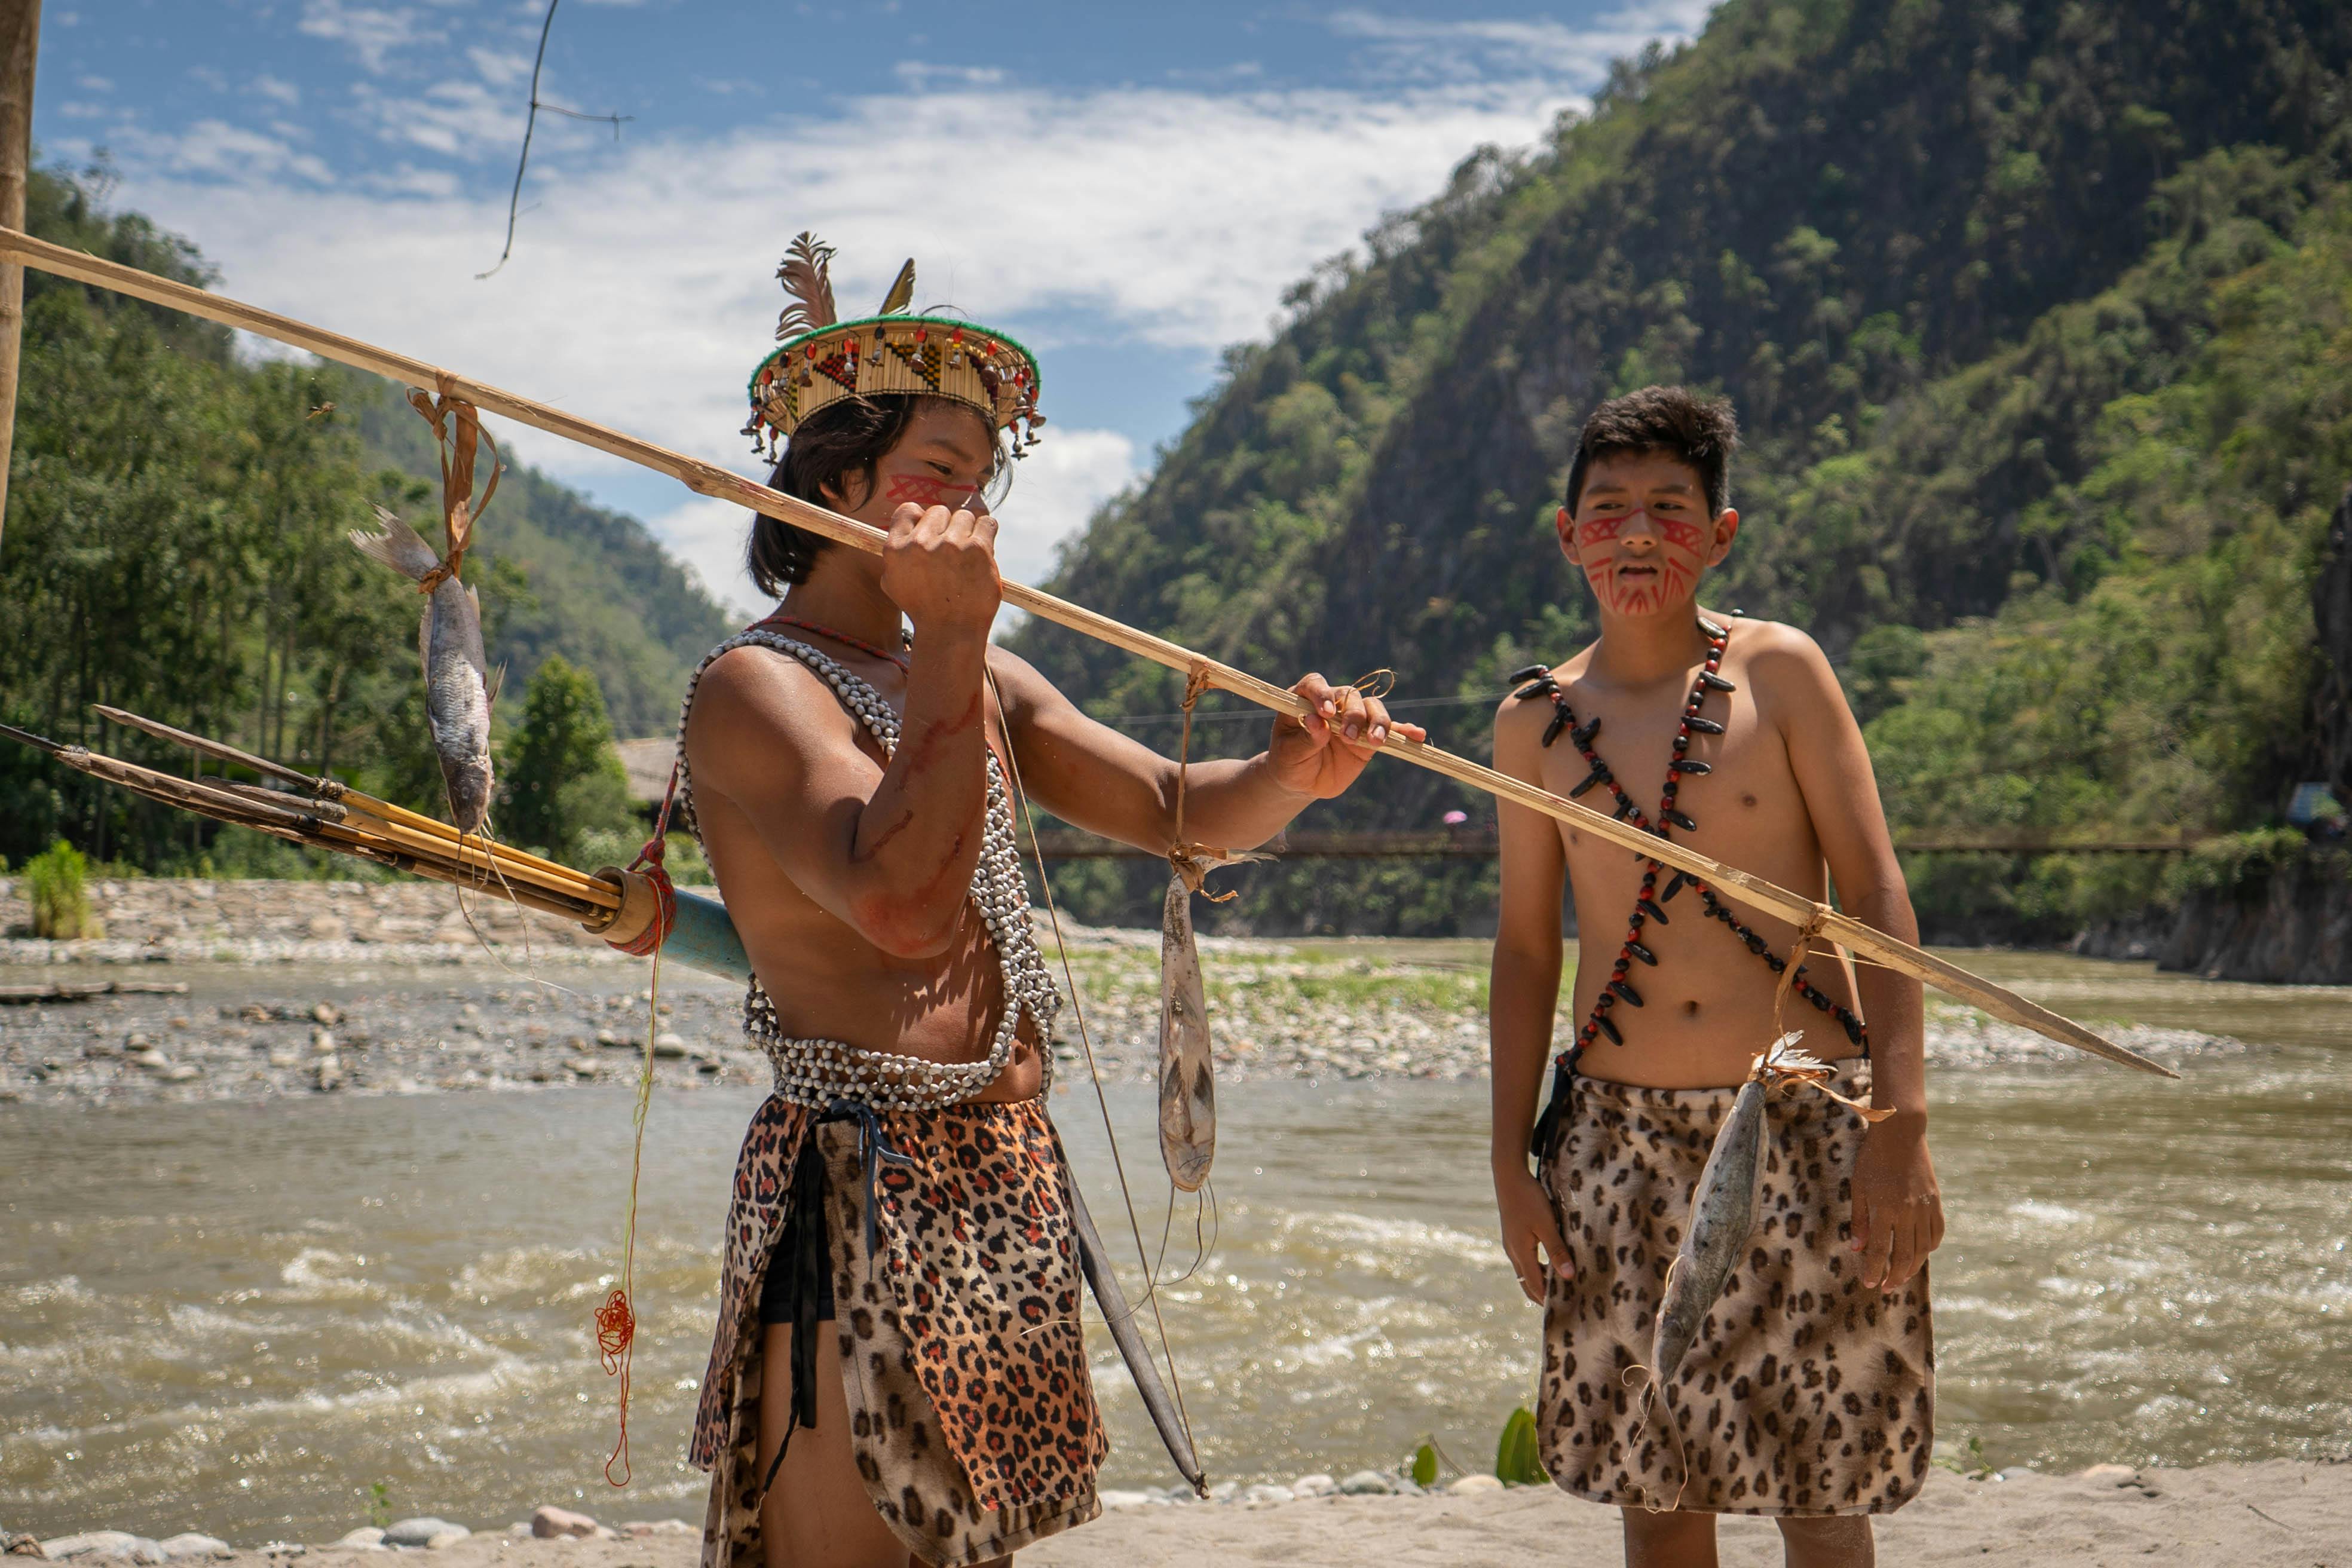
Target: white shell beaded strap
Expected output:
[817,1072]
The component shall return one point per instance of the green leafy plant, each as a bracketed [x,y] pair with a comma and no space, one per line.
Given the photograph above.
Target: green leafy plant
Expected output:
[564,781]
[55,884]
[1967,1460]
[379,1505]
[1515,1462]
[1424,1465]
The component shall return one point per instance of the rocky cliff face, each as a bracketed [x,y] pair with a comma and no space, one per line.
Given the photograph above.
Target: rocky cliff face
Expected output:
[2293,928]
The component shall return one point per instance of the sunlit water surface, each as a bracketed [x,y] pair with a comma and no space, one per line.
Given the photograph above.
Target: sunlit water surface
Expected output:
[243,1318]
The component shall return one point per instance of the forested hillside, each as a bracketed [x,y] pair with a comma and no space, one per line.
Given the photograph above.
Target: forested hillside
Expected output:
[2035,318]
[174,544]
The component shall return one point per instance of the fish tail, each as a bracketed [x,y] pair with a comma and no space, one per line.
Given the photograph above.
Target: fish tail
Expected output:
[399,546]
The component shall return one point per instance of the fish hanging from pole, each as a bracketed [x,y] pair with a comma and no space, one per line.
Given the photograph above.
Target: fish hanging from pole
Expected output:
[457,686]
[1188,1091]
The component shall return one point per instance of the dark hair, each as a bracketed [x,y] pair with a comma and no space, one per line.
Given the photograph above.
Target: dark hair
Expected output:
[845,437]
[1699,431]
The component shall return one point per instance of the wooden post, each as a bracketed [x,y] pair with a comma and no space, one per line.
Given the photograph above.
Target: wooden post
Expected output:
[20,42]
[20,45]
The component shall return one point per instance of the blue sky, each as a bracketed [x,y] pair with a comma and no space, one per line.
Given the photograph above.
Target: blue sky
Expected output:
[1126,188]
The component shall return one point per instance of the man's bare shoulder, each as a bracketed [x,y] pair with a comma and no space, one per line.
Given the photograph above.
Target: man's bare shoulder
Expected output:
[752,700]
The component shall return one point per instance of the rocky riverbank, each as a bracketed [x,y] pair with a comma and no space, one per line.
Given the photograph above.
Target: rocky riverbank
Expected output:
[2271,1515]
[250,990]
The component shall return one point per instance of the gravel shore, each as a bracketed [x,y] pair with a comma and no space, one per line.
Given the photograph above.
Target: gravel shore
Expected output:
[248,990]
[2276,1514]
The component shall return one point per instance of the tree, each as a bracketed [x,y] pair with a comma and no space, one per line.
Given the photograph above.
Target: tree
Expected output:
[565,781]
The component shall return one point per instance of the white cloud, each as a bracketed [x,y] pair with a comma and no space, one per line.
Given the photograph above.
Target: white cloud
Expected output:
[1055,488]
[641,289]
[94,84]
[1467,47]
[270,86]
[216,151]
[370,32]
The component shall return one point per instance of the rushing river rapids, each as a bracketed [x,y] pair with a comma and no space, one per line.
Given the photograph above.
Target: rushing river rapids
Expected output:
[241,1313]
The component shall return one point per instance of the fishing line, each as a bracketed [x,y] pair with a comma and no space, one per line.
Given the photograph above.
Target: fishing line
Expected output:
[1094,1072]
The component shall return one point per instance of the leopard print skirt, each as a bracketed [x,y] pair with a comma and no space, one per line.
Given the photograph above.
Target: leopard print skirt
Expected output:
[972,1414]
[1806,1394]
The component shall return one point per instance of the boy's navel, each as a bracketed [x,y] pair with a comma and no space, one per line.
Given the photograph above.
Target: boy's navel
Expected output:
[1690,1009]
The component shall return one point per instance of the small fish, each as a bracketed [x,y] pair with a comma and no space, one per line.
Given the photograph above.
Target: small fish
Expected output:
[449,647]
[1722,1211]
[1188,1100]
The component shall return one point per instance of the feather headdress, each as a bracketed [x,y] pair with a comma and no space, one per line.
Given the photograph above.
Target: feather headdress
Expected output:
[823,358]
[806,273]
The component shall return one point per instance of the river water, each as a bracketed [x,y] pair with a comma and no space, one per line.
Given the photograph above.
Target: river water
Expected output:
[245,1318]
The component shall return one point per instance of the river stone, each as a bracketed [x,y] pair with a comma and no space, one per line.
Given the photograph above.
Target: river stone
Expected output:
[547,1522]
[1267,1492]
[1225,1491]
[2116,1474]
[449,1538]
[367,1538]
[416,1533]
[1367,1483]
[21,1546]
[1468,1483]
[671,1048]
[1113,1500]
[327,1014]
[190,1545]
[638,1529]
[93,1544]
[1316,1484]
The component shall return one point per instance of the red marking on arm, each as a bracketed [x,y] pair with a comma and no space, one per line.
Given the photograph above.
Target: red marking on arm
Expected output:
[883,838]
[918,755]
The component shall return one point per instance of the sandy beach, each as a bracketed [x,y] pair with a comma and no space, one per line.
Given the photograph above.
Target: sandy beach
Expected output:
[2271,1515]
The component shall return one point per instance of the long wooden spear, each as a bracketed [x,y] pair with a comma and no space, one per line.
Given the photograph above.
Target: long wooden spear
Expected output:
[705,479]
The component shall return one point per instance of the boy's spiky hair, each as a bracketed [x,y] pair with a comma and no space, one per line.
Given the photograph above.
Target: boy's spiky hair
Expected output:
[1699,431]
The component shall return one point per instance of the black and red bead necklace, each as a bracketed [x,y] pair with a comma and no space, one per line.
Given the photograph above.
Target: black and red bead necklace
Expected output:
[1649,903]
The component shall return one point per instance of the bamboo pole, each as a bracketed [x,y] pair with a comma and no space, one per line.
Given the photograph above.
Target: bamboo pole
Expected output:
[20,42]
[1749,893]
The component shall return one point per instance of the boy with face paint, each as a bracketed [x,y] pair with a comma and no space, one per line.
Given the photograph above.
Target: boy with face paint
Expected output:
[1808,1395]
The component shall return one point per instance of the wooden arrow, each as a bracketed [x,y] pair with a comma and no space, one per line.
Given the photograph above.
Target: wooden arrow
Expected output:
[706,479]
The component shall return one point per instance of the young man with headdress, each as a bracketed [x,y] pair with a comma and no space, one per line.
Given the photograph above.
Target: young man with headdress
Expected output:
[1808,1393]
[900,1273]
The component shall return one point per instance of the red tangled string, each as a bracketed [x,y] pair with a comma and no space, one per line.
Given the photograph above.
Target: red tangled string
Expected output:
[616,1321]
[617,1332]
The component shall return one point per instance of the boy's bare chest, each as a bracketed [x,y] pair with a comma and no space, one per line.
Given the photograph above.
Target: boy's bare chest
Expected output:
[1734,795]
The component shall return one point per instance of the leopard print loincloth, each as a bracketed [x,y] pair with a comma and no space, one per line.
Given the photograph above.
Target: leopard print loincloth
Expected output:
[1806,1394]
[974,1418]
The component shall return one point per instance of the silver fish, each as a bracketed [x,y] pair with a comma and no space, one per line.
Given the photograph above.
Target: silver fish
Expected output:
[449,647]
[1722,1212]
[1188,1098]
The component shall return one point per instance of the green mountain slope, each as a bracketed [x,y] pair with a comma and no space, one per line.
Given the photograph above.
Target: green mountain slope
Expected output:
[174,544]
[1878,226]
[596,587]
